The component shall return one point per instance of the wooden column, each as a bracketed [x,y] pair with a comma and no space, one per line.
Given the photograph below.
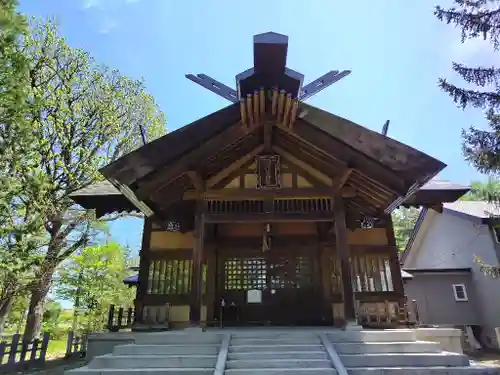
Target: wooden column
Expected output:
[325,269]
[397,280]
[197,275]
[343,254]
[211,259]
[144,260]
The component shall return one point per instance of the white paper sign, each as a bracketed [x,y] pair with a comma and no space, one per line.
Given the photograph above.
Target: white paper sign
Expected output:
[254,296]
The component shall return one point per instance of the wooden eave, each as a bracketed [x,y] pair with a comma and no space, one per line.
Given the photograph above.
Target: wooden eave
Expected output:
[406,161]
[162,151]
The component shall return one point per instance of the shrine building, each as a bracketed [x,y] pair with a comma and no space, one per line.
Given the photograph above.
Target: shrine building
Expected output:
[269,211]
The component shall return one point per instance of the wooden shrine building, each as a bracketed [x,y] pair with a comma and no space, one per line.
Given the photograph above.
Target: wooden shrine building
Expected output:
[269,211]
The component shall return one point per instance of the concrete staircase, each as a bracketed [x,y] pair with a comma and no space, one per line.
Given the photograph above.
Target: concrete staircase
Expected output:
[159,353]
[275,351]
[391,352]
[271,353]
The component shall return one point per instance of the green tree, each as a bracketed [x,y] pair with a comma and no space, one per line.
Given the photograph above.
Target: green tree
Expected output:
[477,19]
[404,220]
[481,148]
[480,191]
[21,185]
[84,116]
[93,279]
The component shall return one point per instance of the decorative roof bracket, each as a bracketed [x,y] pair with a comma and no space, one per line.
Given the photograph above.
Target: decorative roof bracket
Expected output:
[269,73]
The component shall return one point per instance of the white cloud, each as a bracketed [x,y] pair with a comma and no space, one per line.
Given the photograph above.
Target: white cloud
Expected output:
[90,4]
[104,12]
[472,53]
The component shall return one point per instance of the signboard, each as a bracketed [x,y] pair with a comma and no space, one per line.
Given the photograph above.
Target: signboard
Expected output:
[254,296]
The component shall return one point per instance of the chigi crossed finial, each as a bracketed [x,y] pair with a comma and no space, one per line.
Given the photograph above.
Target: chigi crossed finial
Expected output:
[268,73]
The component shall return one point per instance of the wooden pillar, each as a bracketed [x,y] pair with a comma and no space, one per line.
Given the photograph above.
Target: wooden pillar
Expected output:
[197,275]
[211,259]
[144,260]
[397,280]
[325,269]
[343,254]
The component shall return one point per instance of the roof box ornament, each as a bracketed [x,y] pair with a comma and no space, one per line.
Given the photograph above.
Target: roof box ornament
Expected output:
[269,83]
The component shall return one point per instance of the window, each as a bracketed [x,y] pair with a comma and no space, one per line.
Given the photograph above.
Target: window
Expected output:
[460,292]
[170,276]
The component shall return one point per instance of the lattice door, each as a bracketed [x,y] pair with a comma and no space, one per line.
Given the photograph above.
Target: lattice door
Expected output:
[241,274]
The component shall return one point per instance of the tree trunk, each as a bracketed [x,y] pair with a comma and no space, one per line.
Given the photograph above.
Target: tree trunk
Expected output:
[39,290]
[6,303]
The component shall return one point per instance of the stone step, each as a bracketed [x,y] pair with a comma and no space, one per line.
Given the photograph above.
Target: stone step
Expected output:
[275,341]
[405,360]
[134,349]
[255,333]
[164,338]
[274,348]
[258,364]
[278,355]
[387,347]
[153,361]
[281,371]
[434,370]
[386,335]
[141,371]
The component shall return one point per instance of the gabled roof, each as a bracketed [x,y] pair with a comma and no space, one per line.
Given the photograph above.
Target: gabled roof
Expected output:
[435,191]
[400,168]
[477,212]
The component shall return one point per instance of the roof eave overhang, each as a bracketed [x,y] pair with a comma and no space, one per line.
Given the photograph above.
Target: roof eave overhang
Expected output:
[132,198]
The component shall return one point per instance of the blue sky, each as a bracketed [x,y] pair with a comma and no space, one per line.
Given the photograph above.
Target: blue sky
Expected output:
[395,49]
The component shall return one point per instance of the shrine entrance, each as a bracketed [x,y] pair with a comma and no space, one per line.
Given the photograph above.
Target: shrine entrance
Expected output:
[276,287]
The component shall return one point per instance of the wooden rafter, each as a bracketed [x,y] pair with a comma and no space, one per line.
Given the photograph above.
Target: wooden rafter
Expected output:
[336,149]
[197,180]
[322,153]
[169,172]
[238,164]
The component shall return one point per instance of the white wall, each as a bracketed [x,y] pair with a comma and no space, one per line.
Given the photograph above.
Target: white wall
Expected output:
[449,241]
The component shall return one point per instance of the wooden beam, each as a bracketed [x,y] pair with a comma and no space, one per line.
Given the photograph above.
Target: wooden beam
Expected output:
[197,180]
[253,193]
[296,141]
[342,249]
[268,135]
[342,180]
[171,171]
[304,166]
[269,218]
[234,167]
[310,174]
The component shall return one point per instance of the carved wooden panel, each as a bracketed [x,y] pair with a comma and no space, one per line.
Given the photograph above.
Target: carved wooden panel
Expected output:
[268,171]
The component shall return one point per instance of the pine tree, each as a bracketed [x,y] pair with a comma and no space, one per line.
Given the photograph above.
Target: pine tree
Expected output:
[477,19]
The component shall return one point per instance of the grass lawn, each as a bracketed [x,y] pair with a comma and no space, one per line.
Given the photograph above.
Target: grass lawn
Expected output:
[57,348]
[486,357]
